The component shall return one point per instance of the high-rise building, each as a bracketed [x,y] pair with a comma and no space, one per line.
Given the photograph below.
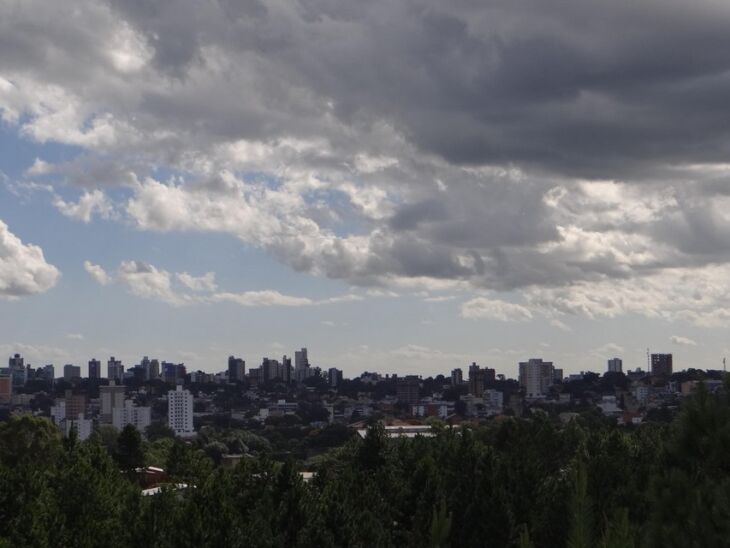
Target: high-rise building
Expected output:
[71,372]
[154,371]
[48,373]
[661,365]
[615,365]
[236,369]
[254,376]
[6,389]
[75,404]
[112,397]
[115,370]
[457,377]
[536,377]
[479,378]
[286,369]
[180,411]
[302,369]
[144,364]
[300,359]
[94,369]
[173,373]
[407,389]
[271,370]
[139,417]
[334,376]
[18,372]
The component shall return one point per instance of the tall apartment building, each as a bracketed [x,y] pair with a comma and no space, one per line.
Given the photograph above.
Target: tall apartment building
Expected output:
[300,359]
[286,369]
[75,405]
[236,369]
[479,378]
[71,372]
[115,370]
[18,371]
[615,365]
[112,397]
[457,377]
[94,369]
[180,411]
[254,376]
[536,377]
[334,377]
[302,367]
[173,373]
[661,365]
[408,389]
[151,368]
[47,373]
[6,389]
[139,417]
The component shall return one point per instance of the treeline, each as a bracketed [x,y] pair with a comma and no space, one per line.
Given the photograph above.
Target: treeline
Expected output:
[518,482]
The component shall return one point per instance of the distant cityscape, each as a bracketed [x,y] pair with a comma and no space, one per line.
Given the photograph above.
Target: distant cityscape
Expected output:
[165,393]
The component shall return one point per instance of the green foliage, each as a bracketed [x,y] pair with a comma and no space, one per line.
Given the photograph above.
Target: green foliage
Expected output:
[129,453]
[520,482]
[440,526]
[619,532]
[26,440]
[581,527]
[158,430]
[157,452]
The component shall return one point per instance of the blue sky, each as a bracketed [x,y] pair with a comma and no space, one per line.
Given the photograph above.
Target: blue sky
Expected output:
[397,190]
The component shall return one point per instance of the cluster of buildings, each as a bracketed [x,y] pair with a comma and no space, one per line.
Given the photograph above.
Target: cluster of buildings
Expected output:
[114,405]
[272,370]
[117,407]
[280,387]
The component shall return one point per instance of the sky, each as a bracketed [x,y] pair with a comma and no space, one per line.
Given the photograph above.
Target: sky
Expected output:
[399,186]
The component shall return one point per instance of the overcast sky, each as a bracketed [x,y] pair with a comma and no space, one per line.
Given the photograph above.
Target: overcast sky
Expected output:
[400,186]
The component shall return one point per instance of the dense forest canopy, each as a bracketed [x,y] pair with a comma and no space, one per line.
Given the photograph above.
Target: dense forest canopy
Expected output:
[516,482]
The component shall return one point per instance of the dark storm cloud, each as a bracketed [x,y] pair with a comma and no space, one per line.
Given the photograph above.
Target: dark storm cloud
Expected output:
[454,136]
[584,88]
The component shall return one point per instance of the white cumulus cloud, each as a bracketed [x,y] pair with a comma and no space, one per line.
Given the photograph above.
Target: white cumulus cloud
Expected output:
[90,203]
[23,267]
[99,275]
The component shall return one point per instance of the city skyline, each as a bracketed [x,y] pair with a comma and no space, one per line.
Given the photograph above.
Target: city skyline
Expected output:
[237,369]
[400,186]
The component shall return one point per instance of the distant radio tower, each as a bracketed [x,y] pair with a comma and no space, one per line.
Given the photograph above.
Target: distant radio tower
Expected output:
[723,365]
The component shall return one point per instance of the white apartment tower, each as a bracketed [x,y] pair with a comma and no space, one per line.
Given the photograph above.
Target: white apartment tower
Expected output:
[139,417]
[180,411]
[536,377]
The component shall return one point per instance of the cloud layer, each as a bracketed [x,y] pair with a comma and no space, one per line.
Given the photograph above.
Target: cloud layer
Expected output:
[570,152]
